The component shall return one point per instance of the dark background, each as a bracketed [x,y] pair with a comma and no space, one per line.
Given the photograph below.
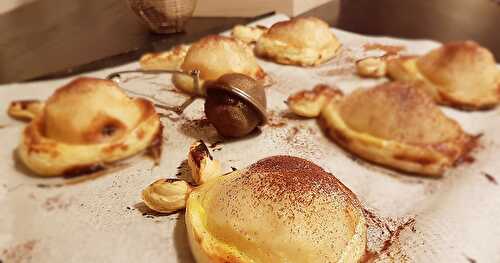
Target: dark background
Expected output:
[49,38]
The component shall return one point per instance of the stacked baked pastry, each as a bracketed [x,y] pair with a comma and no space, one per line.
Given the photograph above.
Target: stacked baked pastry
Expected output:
[279,209]
[459,74]
[213,56]
[83,126]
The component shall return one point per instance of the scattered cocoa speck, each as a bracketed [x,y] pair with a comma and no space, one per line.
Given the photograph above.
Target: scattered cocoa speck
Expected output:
[49,185]
[383,236]
[472,144]
[199,129]
[490,178]
[184,172]
[395,234]
[56,203]
[471,260]
[215,150]
[293,133]
[19,253]
[198,123]
[234,168]
[128,208]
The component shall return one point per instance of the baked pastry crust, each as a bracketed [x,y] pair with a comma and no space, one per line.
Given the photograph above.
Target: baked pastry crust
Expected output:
[459,74]
[168,60]
[85,125]
[248,34]
[303,41]
[399,126]
[215,56]
[25,109]
[280,209]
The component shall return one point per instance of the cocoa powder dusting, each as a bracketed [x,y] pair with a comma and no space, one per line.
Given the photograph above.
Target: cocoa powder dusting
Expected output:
[57,203]
[286,178]
[383,236]
[469,146]
[199,129]
[490,178]
[299,138]
[471,260]
[19,253]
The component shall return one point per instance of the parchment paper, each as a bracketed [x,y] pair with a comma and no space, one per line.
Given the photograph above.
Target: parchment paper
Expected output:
[412,219]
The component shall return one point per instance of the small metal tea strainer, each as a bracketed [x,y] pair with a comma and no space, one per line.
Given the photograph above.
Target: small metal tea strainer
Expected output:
[235,103]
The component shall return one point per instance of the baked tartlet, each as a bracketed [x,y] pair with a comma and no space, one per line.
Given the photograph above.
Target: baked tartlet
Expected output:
[303,41]
[215,56]
[393,124]
[85,125]
[279,209]
[459,74]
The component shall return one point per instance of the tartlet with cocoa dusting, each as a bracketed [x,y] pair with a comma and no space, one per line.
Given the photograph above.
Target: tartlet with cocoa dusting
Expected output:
[279,209]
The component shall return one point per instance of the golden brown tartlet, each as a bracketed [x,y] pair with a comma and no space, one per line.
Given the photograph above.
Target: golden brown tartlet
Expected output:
[279,209]
[303,41]
[459,74]
[85,125]
[215,56]
[396,125]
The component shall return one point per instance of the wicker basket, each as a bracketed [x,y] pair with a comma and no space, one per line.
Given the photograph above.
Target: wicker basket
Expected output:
[164,16]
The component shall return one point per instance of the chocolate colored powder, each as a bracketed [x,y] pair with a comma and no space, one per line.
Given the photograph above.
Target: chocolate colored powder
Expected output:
[490,178]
